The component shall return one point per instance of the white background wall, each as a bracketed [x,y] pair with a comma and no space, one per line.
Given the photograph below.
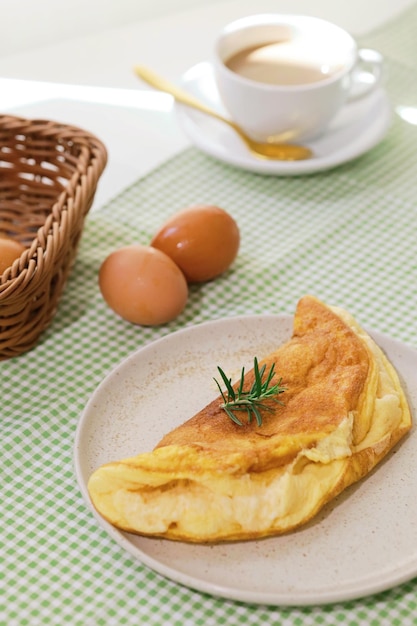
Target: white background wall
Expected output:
[26,24]
[31,24]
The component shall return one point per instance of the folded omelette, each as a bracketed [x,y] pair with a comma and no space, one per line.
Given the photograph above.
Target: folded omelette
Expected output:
[213,480]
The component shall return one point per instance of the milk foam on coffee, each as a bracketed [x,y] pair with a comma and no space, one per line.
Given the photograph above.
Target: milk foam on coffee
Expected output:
[282,62]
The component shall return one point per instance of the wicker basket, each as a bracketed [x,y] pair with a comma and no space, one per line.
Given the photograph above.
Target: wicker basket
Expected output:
[48,178]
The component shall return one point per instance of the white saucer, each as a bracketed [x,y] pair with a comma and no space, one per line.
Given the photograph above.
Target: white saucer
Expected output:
[356,129]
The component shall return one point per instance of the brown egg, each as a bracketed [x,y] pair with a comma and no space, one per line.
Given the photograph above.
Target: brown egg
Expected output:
[143,285]
[203,240]
[10,250]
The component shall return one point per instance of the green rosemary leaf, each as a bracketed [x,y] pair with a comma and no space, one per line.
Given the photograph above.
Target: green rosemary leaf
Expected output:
[257,415]
[221,391]
[242,382]
[233,416]
[270,376]
[228,383]
[250,401]
[258,377]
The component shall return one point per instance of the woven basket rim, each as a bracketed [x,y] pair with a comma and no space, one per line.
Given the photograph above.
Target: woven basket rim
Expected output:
[87,174]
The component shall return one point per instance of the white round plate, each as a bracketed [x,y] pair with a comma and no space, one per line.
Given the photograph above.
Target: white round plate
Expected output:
[363,542]
[357,128]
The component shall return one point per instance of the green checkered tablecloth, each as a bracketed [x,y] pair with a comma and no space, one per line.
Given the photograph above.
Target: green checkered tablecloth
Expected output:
[348,236]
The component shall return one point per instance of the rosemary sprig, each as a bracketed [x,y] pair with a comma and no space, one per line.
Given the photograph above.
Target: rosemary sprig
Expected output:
[251,401]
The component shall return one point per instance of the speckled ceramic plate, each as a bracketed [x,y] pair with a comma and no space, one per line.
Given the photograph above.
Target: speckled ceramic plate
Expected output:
[363,542]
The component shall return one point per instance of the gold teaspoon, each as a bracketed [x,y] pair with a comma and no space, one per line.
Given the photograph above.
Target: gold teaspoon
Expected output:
[280,151]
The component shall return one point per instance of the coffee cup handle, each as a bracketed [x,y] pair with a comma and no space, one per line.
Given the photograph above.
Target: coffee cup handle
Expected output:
[367,74]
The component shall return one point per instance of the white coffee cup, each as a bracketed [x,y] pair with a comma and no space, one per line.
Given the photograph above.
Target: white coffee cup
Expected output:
[318,68]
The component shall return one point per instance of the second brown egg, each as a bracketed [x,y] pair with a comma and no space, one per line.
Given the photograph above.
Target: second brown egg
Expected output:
[203,240]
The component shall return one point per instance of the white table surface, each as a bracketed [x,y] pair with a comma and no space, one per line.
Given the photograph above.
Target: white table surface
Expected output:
[88,81]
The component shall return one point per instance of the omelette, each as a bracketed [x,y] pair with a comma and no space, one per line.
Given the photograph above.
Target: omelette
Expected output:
[341,410]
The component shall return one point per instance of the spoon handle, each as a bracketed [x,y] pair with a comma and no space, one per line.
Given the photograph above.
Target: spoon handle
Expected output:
[179,95]
[268,150]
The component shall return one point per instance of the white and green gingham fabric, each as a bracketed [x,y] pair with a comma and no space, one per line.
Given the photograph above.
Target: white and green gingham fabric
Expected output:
[349,236]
